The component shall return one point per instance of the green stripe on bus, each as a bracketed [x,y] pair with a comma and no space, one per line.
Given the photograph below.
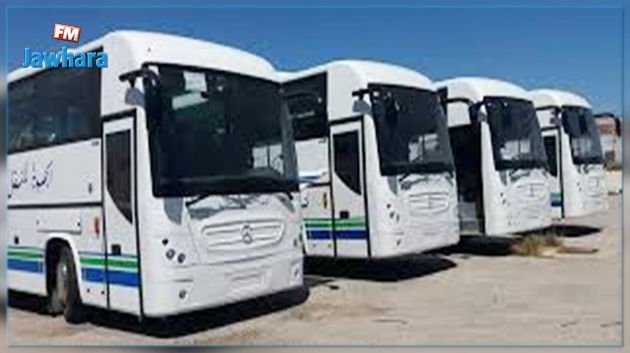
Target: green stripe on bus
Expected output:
[25,254]
[30,253]
[93,261]
[357,222]
[328,219]
[318,224]
[344,224]
[109,256]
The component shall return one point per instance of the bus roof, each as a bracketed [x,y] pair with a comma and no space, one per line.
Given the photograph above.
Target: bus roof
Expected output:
[167,48]
[557,98]
[367,72]
[476,88]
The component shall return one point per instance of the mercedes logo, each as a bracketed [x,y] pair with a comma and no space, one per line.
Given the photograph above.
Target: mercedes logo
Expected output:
[247,234]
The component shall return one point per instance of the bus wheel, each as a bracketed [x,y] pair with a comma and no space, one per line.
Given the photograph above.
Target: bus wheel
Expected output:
[64,295]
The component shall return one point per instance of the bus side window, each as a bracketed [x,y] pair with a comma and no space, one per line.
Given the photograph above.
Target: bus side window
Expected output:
[21,134]
[54,107]
[48,130]
[118,167]
[306,100]
[346,146]
[550,148]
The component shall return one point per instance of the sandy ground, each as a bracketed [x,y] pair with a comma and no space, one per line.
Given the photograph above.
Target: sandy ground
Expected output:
[473,294]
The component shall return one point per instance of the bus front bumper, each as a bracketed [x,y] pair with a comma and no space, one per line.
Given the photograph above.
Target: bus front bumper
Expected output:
[207,286]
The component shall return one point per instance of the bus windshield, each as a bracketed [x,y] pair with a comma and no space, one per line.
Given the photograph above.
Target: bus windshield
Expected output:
[516,138]
[219,133]
[411,130]
[579,124]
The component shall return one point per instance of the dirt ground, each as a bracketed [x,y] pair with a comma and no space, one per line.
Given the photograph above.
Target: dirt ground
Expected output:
[472,294]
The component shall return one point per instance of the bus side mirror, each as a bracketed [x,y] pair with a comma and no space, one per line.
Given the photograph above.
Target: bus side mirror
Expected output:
[555,116]
[144,73]
[555,121]
[152,92]
[442,96]
[473,112]
[362,92]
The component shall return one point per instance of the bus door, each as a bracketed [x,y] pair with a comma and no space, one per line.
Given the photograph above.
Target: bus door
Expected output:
[466,144]
[122,258]
[551,138]
[315,191]
[350,224]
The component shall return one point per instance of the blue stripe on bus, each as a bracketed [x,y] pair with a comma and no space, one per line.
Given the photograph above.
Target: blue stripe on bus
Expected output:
[319,234]
[95,253]
[122,278]
[25,265]
[351,234]
[346,234]
[309,178]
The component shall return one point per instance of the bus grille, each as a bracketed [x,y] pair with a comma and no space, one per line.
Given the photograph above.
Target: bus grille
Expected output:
[428,202]
[595,187]
[242,235]
[532,191]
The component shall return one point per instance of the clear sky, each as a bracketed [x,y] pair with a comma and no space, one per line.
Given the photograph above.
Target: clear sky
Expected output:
[578,49]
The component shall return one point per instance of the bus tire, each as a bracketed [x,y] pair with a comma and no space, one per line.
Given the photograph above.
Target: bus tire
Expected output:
[64,294]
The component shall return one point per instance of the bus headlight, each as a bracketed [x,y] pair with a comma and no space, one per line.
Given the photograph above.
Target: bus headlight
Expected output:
[170,253]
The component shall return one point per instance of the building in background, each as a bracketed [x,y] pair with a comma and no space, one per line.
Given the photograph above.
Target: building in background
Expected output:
[610,134]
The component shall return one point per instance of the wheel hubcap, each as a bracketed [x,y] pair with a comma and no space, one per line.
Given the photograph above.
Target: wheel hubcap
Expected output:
[62,283]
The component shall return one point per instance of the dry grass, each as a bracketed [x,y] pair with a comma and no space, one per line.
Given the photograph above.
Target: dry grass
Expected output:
[537,245]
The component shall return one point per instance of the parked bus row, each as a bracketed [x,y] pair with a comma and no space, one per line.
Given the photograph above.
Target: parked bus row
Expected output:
[189,175]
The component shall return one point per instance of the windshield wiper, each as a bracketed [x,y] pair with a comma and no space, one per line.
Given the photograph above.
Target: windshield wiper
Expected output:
[199,198]
[403,177]
[406,175]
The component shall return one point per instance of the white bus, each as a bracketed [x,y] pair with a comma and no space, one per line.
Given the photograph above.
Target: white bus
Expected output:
[499,156]
[375,161]
[164,183]
[576,164]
